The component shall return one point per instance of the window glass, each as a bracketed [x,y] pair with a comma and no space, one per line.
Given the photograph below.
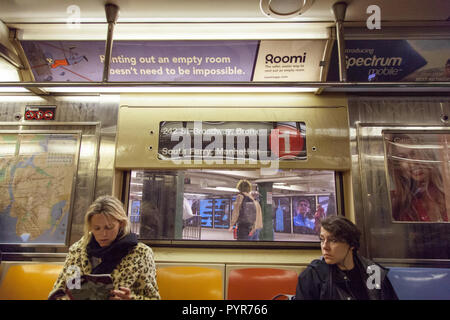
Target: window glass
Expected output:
[201,204]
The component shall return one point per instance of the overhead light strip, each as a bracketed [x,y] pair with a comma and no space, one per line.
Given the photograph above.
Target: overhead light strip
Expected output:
[174,89]
[177,31]
[211,87]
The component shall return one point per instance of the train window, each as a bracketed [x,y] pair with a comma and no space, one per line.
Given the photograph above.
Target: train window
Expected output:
[198,204]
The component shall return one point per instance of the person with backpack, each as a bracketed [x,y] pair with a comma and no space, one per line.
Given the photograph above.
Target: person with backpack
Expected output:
[247,213]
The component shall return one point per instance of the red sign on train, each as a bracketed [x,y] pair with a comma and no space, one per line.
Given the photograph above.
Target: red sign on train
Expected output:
[43,113]
[291,142]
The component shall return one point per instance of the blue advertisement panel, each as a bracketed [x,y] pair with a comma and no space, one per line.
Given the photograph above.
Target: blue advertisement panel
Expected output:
[222,213]
[206,213]
[238,60]
[393,60]
[135,211]
[282,215]
[142,60]
[228,60]
[215,213]
[182,61]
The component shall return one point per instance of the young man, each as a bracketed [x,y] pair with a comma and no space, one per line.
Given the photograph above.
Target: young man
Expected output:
[341,273]
[303,220]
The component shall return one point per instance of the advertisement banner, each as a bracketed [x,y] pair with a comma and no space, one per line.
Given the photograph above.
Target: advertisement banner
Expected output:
[289,60]
[142,60]
[393,60]
[229,60]
[182,61]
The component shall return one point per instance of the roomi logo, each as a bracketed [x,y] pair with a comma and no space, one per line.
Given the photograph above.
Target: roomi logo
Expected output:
[377,60]
[289,60]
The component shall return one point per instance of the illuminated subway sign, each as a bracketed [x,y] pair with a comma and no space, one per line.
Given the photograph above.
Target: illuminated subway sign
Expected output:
[270,58]
[231,142]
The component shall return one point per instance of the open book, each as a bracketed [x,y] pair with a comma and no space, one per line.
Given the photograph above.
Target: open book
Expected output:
[91,287]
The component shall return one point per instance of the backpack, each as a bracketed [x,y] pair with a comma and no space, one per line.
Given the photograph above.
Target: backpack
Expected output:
[247,212]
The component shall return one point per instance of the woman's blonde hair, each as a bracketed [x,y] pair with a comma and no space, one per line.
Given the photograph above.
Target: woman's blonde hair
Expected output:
[244,186]
[111,207]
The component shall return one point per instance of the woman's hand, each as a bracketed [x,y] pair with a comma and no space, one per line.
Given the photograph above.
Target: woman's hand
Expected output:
[122,294]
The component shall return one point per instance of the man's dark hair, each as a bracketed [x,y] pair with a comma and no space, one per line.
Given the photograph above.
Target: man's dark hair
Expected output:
[303,200]
[342,229]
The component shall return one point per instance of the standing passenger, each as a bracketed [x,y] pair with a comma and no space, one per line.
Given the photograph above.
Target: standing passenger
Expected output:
[246,213]
[341,273]
[108,247]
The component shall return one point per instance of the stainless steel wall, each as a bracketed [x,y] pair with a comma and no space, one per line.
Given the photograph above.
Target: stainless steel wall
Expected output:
[383,240]
[96,117]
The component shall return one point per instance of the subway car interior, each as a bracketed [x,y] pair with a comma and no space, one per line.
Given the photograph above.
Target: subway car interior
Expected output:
[325,107]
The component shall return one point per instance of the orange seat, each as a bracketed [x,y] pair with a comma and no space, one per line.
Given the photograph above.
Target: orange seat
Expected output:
[32,281]
[260,283]
[190,283]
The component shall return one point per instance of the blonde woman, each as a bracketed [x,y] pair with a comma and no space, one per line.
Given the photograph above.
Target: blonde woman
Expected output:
[247,213]
[108,247]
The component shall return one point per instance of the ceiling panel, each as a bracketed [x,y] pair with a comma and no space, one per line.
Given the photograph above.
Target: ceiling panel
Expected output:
[19,11]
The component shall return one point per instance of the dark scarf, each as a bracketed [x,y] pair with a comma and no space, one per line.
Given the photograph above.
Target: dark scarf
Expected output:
[112,254]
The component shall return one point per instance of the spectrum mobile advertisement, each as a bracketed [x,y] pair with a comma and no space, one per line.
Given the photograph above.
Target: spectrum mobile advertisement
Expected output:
[393,60]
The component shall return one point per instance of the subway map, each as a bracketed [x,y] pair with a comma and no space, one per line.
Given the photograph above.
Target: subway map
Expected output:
[37,173]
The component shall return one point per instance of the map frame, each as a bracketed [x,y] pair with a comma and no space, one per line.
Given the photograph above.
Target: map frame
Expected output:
[78,134]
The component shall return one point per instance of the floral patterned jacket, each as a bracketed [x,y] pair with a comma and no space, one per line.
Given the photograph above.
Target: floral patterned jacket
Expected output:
[136,271]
